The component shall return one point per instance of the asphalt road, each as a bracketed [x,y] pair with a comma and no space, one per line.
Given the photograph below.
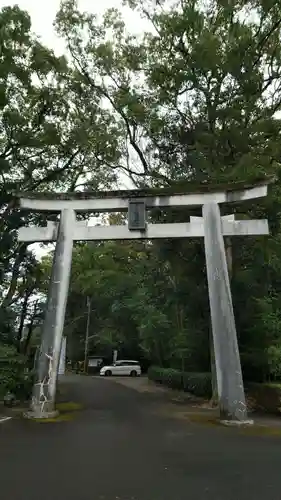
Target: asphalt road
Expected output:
[118,447]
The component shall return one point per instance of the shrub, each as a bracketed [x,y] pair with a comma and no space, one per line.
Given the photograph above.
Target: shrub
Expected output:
[264,397]
[172,378]
[166,376]
[13,377]
[199,384]
[155,373]
[267,397]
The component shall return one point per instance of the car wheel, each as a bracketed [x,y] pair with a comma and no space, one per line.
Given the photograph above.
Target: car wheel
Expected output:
[133,373]
[108,373]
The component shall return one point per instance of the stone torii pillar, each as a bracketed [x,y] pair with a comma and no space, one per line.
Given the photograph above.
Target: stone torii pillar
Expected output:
[44,390]
[230,386]
[212,227]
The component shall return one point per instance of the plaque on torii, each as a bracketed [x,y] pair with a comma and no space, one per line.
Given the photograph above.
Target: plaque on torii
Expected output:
[211,226]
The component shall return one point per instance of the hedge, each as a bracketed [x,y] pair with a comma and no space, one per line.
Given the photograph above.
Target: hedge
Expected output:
[199,384]
[264,397]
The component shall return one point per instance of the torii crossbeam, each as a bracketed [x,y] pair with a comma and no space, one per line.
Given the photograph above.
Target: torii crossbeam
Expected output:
[211,226]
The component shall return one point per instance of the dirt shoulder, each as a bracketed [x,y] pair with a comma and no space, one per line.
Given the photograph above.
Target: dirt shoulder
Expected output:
[186,406]
[144,385]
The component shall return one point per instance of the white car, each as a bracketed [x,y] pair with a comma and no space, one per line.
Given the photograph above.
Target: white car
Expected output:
[122,367]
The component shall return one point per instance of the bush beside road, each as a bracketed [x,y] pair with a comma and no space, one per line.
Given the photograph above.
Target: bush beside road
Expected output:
[260,397]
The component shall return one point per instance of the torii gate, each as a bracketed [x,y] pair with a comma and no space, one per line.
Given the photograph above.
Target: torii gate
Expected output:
[211,226]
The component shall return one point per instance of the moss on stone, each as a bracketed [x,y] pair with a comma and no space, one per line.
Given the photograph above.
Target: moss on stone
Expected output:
[179,187]
[67,410]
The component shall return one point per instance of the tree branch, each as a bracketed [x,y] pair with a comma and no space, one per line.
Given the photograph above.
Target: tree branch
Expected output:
[264,39]
[119,110]
[8,299]
[53,175]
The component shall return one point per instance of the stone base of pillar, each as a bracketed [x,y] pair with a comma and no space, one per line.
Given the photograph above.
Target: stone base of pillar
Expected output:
[236,423]
[41,411]
[41,415]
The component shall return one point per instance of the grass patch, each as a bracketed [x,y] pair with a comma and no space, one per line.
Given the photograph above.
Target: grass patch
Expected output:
[251,430]
[67,411]
[69,406]
[273,384]
[201,418]
[209,420]
[261,430]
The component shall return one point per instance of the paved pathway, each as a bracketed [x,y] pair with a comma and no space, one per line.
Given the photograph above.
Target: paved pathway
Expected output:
[118,447]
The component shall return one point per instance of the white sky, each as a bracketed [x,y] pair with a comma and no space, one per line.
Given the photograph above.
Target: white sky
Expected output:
[43,13]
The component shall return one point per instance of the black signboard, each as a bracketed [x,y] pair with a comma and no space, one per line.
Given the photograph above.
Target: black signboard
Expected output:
[136,215]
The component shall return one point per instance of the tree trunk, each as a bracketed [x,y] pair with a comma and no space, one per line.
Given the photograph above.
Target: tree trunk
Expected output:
[22,318]
[8,299]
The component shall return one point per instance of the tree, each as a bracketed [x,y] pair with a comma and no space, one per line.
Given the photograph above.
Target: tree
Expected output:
[50,138]
[197,96]
[135,307]
[192,101]
[101,272]
[195,99]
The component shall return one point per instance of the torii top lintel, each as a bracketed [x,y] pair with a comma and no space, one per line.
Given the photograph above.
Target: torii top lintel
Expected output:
[177,196]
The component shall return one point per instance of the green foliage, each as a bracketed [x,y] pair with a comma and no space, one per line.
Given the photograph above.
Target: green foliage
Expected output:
[274,361]
[53,135]
[14,378]
[166,376]
[191,101]
[264,397]
[199,86]
[199,384]
[195,99]
[267,397]
[134,307]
